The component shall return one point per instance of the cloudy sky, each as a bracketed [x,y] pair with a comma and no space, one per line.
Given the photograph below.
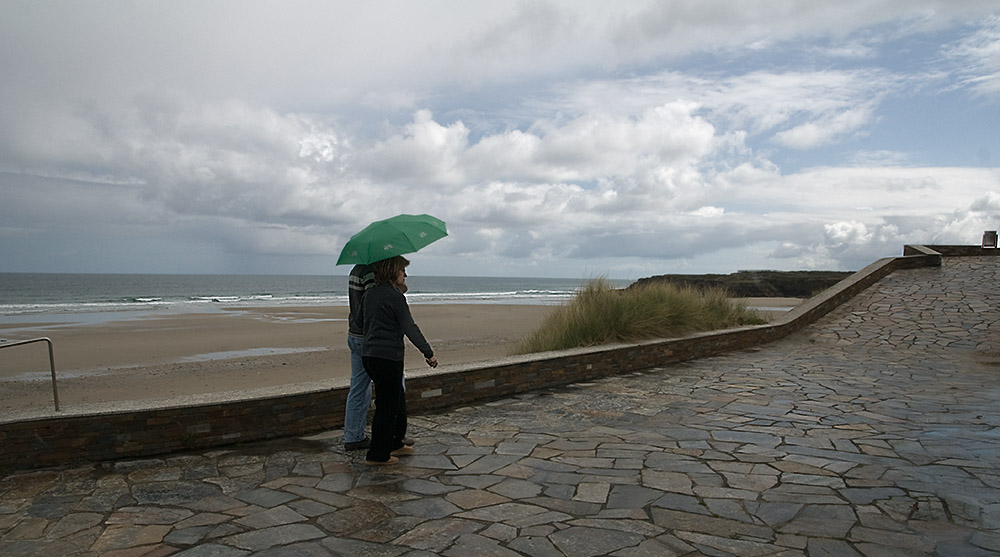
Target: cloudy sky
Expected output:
[562,138]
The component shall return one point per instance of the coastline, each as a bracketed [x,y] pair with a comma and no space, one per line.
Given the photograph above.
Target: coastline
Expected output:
[159,356]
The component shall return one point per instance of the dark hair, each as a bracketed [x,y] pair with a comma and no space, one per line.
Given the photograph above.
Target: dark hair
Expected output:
[387,270]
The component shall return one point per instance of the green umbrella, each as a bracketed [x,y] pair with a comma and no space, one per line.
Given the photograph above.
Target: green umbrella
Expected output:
[383,239]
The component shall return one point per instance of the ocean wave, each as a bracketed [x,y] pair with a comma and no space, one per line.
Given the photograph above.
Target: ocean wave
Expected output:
[42,295]
[83,307]
[216,299]
[513,297]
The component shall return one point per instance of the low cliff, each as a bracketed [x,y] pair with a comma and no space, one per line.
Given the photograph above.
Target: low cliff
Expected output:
[758,284]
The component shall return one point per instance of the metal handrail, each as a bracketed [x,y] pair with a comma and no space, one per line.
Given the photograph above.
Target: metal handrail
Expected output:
[52,363]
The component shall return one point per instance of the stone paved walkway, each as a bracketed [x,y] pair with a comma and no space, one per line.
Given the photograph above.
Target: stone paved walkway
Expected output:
[873,432]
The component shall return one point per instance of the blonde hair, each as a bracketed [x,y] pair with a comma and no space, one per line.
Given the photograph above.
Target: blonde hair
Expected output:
[387,270]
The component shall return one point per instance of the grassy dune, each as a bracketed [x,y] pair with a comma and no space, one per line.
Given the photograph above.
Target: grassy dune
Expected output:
[601,314]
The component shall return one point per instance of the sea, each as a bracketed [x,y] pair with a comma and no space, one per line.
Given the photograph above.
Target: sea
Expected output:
[27,297]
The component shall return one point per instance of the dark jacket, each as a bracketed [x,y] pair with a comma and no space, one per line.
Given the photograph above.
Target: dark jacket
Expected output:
[385,318]
[362,278]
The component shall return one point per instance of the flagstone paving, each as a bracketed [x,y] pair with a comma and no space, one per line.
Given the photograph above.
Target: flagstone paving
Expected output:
[872,432]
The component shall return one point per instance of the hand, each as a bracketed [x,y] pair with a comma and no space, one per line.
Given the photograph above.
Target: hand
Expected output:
[432,361]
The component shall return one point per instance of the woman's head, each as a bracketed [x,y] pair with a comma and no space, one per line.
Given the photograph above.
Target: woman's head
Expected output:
[387,270]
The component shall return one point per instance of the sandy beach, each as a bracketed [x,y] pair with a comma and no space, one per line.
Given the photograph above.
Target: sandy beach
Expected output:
[164,356]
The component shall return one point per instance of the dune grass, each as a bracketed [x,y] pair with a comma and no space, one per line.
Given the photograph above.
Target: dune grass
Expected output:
[601,314]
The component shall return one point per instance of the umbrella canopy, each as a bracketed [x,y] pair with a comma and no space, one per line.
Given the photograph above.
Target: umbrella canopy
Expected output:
[383,239]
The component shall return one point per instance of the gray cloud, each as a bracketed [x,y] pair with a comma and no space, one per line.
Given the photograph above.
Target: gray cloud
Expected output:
[239,136]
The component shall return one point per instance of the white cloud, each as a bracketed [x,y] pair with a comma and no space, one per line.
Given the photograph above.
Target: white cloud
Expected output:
[963,225]
[424,152]
[815,108]
[595,145]
[827,129]
[989,203]
[841,235]
[708,211]
[978,58]
[880,158]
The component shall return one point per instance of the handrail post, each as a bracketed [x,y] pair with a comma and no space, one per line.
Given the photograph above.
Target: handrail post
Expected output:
[52,364]
[52,368]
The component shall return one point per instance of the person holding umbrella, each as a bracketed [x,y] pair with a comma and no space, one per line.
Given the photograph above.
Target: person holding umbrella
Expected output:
[385,319]
[378,241]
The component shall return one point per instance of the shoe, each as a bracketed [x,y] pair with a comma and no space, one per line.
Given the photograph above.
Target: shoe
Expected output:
[408,442]
[392,460]
[358,445]
[403,451]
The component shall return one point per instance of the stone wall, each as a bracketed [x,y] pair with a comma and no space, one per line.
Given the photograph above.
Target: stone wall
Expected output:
[68,437]
[950,251]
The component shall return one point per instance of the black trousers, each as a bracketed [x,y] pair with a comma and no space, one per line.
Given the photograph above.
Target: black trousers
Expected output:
[389,422]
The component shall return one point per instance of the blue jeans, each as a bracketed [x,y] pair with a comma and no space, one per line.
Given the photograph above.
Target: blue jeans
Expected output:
[359,396]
